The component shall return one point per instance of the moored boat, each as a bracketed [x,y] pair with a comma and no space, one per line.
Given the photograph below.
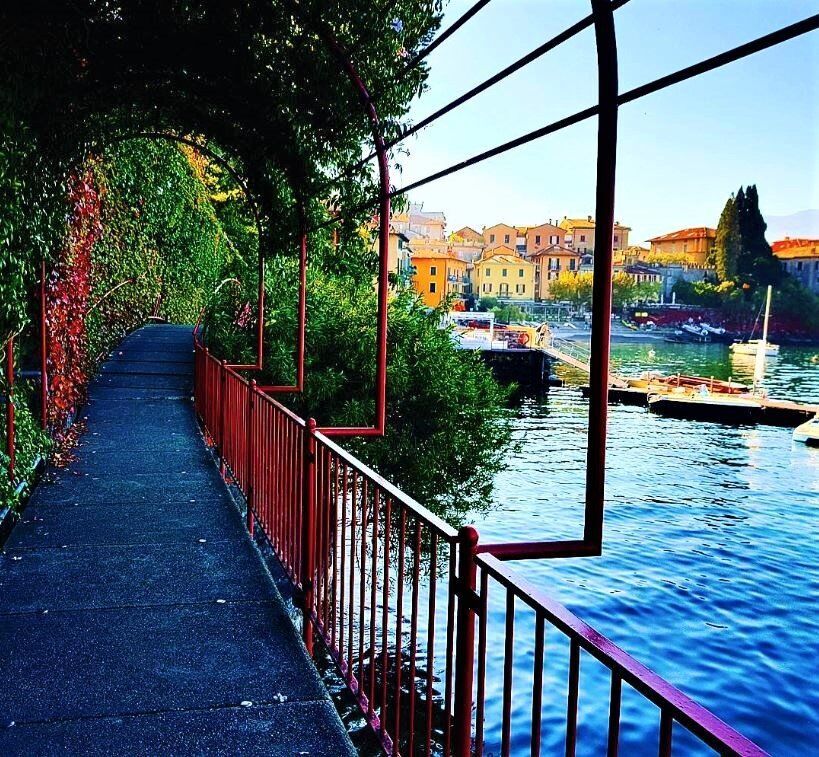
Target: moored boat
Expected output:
[752,346]
[655,382]
[808,432]
[755,346]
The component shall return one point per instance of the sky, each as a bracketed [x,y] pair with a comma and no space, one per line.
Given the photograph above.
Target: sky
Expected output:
[681,151]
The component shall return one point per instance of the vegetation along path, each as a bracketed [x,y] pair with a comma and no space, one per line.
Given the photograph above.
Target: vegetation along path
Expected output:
[135,613]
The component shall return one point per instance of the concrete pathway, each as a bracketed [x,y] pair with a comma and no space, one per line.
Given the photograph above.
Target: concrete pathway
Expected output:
[135,614]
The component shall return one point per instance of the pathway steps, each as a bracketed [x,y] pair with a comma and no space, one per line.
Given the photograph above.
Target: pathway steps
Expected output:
[136,616]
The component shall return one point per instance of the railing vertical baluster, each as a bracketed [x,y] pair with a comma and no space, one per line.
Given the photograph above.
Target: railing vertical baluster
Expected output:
[10,420]
[399,612]
[433,585]
[479,714]
[373,601]
[465,650]
[571,710]
[614,714]
[249,428]
[537,684]
[508,659]
[666,733]
[222,401]
[308,530]
[385,612]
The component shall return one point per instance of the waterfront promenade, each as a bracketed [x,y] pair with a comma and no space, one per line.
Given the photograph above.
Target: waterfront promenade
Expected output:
[135,613]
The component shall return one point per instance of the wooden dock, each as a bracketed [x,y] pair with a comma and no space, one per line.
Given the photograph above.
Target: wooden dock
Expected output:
[774,412]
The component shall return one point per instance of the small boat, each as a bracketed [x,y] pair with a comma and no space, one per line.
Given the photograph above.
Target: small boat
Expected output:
[751,347]
[755,346]
[808,432]
[655,382]
[704,406]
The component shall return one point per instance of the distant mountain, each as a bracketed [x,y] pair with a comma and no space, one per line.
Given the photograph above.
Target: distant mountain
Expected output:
[804,224]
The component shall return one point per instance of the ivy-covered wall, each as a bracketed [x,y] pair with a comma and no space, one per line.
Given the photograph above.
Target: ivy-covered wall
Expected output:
[139,238]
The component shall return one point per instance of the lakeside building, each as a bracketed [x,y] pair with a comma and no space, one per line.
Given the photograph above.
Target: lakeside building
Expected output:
[417,223]
[689,247]
[800,258]
[550,262]
[500,235]
[502,272]
[579,235]
[435,275]
[466,243]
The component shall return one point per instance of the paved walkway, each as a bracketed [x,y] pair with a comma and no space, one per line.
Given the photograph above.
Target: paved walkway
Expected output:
[135,614]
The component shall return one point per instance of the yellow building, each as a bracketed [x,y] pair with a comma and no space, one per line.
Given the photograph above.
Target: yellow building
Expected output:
[688,246]
[501,272]
[580,235]
[436,275]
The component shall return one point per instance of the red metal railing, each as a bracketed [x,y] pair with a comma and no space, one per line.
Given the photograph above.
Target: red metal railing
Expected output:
[431,635]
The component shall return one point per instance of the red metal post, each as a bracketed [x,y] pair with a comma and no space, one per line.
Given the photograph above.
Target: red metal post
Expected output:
[308,530]
[601,296]
[10,426]
[221,440]
[43,349]
[302,327]
[249,439]
[465,642]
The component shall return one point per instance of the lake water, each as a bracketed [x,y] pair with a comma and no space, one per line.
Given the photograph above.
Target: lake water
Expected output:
[709,574]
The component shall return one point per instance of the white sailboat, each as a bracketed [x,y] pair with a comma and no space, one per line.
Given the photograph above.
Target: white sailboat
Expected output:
[762,346]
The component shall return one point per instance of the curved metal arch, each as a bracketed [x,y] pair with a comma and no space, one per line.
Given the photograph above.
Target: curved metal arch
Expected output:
[326,36]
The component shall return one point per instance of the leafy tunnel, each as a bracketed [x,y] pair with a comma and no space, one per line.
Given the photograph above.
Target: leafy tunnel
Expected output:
[152,151]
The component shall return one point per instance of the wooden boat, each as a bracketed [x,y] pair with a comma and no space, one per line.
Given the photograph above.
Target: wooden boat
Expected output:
[704,406]
[808,432]
[655,382]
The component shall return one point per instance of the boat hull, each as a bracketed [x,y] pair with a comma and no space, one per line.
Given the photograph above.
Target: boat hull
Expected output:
[808,433]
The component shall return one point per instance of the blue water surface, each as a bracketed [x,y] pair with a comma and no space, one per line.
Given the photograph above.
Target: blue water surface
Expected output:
[709,574]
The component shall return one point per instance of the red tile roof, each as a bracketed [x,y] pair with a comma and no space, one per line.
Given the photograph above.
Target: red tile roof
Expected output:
[787,243]
[698,232]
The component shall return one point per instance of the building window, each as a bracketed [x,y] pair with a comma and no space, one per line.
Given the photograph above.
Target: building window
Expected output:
[432,287]
[798,266]
[488,271]
[491,238]
[506,239]
[554,239]
[582,237]
[572,263]
[433,270]
[505,270]
[520,272]
[537,239]
[615,238]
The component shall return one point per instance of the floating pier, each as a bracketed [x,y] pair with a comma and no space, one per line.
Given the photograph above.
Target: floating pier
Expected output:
[773,412]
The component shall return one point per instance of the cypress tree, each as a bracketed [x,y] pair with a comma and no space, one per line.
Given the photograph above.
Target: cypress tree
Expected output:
[728,242]
[756,259]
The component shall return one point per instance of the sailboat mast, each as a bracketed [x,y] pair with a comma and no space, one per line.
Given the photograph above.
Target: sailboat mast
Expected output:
[762,344]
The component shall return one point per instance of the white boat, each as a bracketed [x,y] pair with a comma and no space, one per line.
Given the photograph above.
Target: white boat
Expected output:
[751,347]
[808,432]
[757,346]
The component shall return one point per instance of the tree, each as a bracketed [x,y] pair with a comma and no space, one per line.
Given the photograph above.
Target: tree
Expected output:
[756,260]
[623,290]
[572,287]
[728,242]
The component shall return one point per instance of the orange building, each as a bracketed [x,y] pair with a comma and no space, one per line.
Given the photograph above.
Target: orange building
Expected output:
[436,275]
[800,258]
[550,263]
[500,235]
[545,235]
[688,246]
